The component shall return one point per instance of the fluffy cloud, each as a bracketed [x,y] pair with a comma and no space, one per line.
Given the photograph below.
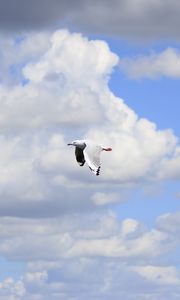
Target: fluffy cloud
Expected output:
[166,63]
[11,289]
[95,254]
[63,94]
[171,168]
[16,51]
[62,81]
[111,239]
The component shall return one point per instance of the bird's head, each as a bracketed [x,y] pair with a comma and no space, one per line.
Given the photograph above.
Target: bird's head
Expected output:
[77,143]
[73,143]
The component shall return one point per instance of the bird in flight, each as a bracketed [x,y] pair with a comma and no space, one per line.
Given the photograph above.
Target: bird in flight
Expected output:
[89,152]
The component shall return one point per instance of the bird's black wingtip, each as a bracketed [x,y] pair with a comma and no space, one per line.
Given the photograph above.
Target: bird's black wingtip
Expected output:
[98,171]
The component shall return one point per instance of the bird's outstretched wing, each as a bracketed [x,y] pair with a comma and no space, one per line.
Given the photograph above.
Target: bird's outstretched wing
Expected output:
[92,157]
[79,156]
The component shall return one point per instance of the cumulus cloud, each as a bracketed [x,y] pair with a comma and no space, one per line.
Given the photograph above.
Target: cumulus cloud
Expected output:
[65,96]
[60,84]
[103,235]
[17,50]
[128,19]
[166,63]
[171,169]
[95,254]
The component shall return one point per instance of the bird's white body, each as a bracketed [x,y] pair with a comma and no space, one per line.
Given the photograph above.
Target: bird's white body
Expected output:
[88,151]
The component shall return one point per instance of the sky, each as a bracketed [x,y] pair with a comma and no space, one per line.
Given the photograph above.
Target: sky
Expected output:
[107,71]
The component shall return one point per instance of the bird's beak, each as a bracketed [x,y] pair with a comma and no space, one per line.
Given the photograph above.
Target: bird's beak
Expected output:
[107,149]
[69,144]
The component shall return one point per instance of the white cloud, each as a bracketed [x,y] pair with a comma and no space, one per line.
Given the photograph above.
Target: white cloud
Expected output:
[11,289]
[159,275]
[148,244]
[93,254]
[155,65]
[64,83]
[36,278]
[131,228]
[100,198]
[68,97]
[15,52]
[93,60]
[171,168]
[112,239]
[132,156]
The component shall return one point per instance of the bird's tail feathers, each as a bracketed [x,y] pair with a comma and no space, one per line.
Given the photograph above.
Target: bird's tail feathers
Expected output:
[95,171]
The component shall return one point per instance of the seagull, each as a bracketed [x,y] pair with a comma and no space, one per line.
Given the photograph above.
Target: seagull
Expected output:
[89,152]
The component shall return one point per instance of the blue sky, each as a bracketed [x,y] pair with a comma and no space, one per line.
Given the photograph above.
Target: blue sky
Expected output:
[162,92]
[106,71]
[160,104]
